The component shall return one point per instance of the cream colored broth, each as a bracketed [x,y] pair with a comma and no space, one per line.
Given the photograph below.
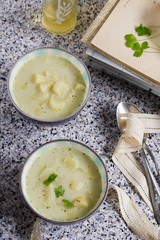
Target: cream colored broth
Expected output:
[78,176]
[48,100]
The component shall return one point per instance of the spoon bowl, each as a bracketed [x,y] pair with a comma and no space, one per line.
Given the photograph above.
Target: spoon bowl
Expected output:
[124,108]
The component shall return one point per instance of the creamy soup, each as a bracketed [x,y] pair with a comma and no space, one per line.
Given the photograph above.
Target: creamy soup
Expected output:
[49,88]
[63,184]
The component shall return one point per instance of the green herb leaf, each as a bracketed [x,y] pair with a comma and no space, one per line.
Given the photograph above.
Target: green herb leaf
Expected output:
[50,179]
[139,49]
[67,203]
[136,46]
[145,45]
[143,31]
[59,191]
[138,53]
[130,40]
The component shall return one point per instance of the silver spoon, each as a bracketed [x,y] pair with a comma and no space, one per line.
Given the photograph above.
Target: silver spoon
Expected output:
[154,189]
[129,108]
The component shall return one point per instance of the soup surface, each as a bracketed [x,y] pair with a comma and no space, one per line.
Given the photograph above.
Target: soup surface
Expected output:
[63,184]
[49,88]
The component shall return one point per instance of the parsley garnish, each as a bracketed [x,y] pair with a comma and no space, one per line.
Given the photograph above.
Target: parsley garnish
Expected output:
[139,48]
[59,191]
[133,43]
[50,179]
[143,31]
[130,40]
[67,203]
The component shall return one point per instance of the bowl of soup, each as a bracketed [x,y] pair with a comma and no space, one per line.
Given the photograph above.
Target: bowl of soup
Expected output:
[49,85]
[64,181]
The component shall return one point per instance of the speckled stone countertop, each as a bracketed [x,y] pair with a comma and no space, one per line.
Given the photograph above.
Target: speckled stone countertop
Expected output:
[95,126]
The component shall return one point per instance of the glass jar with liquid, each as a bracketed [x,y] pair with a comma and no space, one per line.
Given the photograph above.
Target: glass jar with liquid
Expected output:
[59,16]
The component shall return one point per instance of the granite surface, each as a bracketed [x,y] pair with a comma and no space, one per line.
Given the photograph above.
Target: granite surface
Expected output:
[95,126]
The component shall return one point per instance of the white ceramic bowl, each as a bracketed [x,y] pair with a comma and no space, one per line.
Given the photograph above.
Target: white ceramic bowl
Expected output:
[58,53]
[68,144]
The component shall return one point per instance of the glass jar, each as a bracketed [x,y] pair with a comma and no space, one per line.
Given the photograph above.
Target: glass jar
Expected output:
[59,16]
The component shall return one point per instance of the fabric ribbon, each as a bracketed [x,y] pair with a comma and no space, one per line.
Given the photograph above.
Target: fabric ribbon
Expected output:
[131,141]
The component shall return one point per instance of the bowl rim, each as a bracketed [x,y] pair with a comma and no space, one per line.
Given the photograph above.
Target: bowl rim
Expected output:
[72,221]
[43,120]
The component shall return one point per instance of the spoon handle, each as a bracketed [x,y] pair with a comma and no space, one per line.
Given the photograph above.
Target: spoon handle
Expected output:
[36,235]
[157,164]
[153,186]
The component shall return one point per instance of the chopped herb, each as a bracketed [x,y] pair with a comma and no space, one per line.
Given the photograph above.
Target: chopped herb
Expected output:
[67,203]
[59,191]
[50,179]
